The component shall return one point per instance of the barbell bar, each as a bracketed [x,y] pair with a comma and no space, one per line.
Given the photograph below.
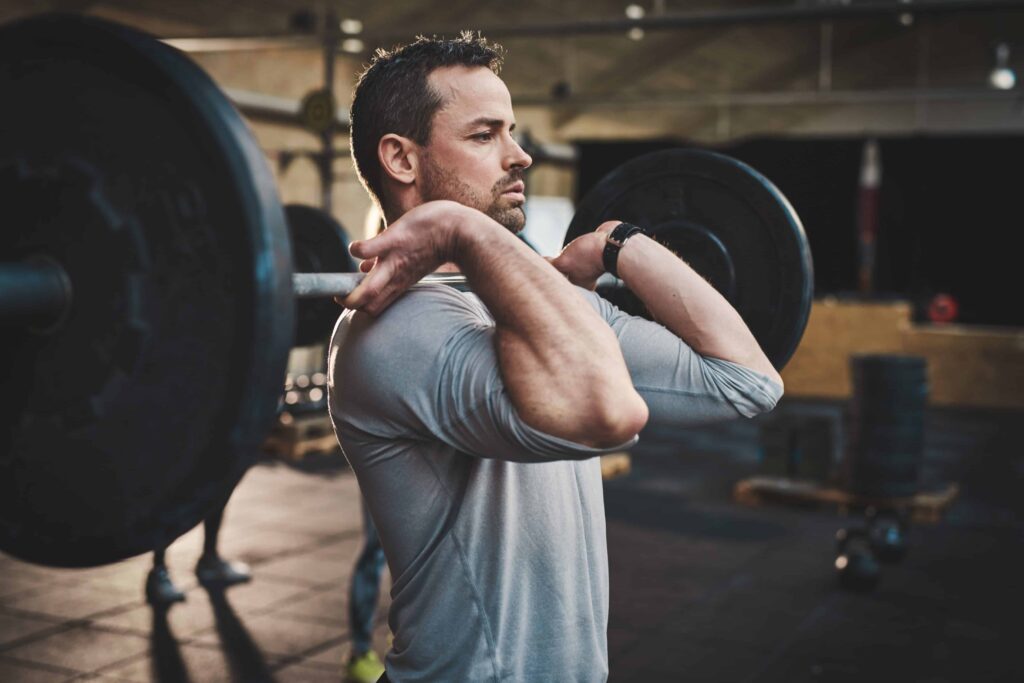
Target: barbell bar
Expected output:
[150,284]
[43,290]
[316,285]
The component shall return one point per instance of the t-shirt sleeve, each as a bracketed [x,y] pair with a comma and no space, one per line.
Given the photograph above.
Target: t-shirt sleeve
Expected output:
[428,369]
[680,386]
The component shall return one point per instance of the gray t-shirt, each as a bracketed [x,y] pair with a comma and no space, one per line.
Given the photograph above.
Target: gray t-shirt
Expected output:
[494,531]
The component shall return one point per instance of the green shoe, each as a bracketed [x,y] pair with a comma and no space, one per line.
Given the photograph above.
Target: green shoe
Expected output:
[366,668]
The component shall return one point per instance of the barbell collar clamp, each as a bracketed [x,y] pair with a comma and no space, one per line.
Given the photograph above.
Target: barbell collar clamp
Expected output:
[36,290]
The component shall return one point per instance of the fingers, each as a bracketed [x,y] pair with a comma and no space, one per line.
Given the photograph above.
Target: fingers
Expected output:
[393,261]
[378,289]
[356,248]
[360,247]
[375,292]
[371,248]
[580,260]
[364,267]
[365,291]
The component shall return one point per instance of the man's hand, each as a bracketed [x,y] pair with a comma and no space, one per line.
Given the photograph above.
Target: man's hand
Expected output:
[412,247]
[580,260]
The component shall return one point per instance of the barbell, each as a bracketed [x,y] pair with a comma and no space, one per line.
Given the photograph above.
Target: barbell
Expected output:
[148,285]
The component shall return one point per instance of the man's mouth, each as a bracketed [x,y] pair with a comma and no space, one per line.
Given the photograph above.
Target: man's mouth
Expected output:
[515,192]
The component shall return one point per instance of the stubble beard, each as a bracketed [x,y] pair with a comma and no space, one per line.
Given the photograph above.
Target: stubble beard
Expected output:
[441,183]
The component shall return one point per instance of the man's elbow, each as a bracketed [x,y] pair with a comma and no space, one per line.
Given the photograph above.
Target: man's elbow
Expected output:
[617,419]
[762,365]
[758,362]
[770,397]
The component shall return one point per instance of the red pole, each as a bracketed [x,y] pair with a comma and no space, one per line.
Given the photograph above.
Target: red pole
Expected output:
[867,214]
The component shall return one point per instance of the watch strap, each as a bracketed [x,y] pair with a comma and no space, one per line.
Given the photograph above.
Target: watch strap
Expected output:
[614,240]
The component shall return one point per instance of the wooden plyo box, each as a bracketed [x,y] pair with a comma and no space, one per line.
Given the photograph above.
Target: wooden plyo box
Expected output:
[615,465]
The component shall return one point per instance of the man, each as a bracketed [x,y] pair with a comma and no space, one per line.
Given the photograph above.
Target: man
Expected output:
[472,420]
[212,570]
[364,666]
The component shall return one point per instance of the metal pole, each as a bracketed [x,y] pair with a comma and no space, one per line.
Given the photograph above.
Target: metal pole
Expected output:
[867,215]
[775,98]
[747,15]
[825,61]
[332,38]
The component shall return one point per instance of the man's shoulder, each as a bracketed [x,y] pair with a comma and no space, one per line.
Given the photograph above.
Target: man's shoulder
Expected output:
[424,311]
[426,302]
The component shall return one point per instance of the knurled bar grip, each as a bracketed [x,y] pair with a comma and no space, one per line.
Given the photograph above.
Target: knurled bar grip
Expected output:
[317,285]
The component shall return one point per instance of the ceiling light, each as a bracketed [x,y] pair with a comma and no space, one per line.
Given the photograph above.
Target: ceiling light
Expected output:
[906,18]
[1002,76]
[352,45]
[634,11]
[351,27]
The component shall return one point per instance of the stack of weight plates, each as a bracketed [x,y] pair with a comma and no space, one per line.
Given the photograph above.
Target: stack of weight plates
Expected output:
[886,444]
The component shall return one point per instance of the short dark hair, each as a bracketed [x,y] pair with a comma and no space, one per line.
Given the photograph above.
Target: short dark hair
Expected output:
[393,96]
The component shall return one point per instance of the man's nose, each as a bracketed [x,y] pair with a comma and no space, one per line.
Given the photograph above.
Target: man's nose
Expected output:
[517,157]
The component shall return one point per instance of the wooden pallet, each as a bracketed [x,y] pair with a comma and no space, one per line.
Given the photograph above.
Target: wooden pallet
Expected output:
[615,465]
[925,507]
[292,438]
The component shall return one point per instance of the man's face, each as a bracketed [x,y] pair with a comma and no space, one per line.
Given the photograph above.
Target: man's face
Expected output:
[471,156]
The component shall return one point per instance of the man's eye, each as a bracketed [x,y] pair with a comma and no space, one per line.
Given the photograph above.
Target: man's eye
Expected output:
[483,136]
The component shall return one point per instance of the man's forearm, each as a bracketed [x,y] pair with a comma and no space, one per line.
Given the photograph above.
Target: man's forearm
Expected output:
[560,361]
[685,303]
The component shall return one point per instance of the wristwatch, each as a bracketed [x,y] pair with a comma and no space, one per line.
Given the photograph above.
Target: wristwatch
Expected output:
[614,240]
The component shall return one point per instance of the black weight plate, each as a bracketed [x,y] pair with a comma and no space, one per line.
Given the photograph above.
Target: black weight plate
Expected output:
[728,222]
[121,160]
[319,245]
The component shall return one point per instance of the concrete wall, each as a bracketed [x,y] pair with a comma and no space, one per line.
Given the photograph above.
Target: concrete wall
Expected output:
[990,112]
[968,367]
[293,73]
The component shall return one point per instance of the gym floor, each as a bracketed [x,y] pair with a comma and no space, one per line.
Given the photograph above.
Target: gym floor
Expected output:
[703,589]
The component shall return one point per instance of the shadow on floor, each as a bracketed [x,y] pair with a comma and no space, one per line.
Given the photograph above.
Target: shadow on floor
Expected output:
[244,660]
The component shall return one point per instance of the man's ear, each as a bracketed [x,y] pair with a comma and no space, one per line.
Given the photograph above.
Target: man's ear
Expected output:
[399,158]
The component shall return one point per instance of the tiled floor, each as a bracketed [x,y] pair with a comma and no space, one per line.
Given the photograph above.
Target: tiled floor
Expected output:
[299,532]
[703,589]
